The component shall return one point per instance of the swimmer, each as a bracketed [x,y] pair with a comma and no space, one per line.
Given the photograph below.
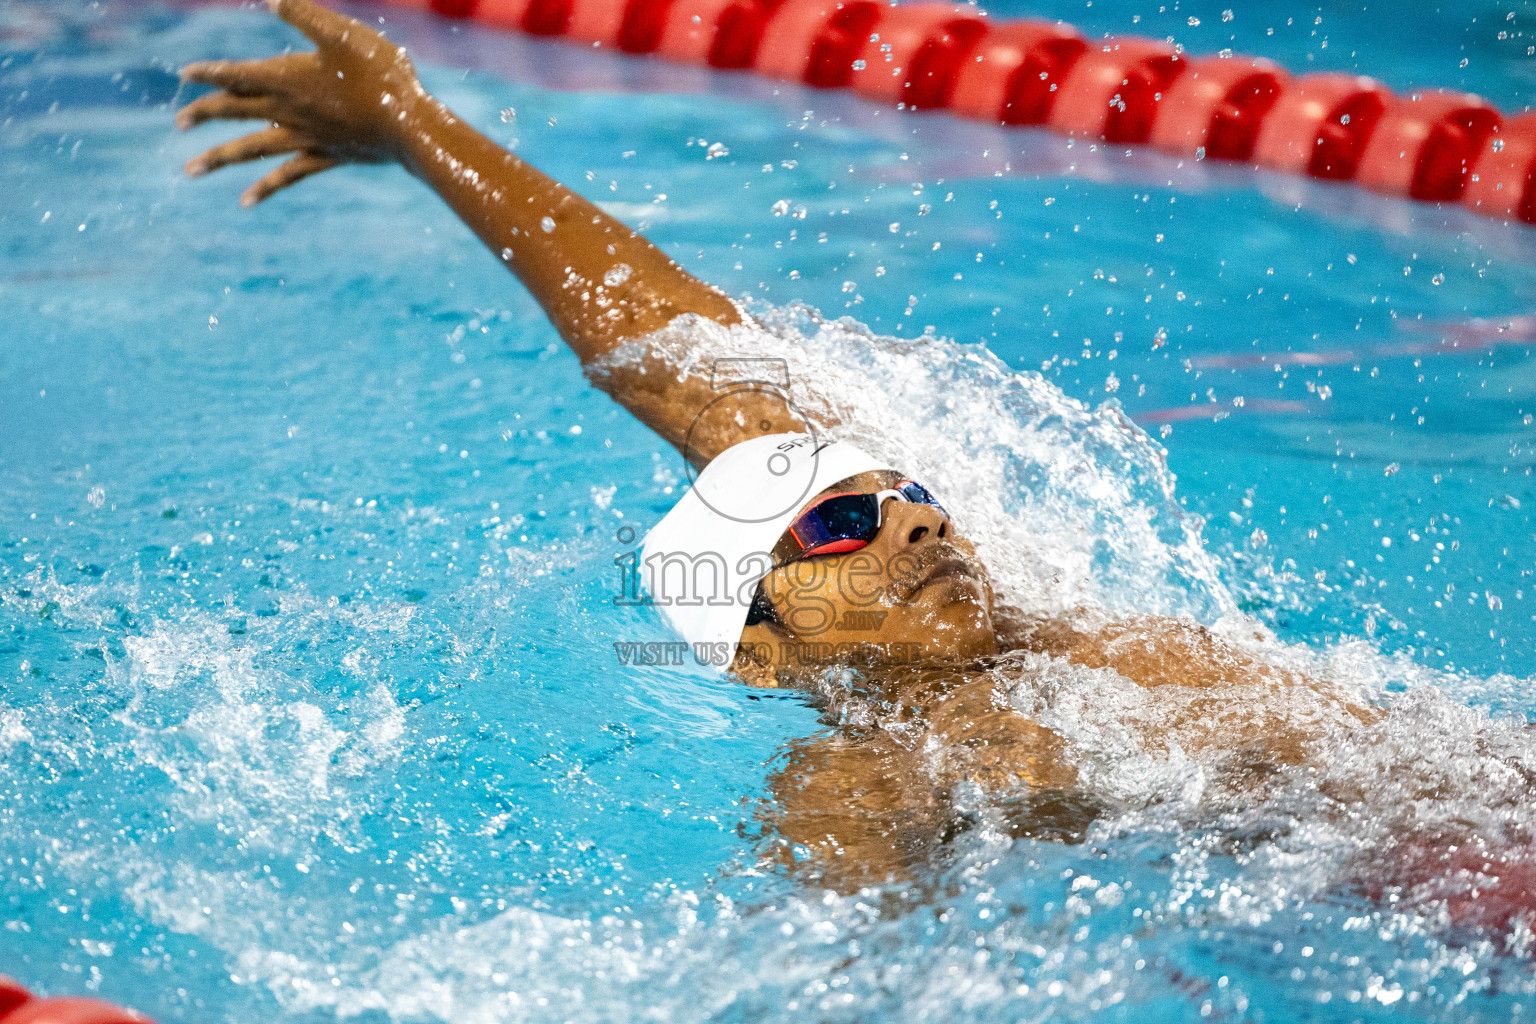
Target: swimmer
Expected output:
[817,554]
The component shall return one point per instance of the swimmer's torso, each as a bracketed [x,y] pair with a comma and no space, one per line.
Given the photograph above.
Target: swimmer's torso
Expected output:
[882,791]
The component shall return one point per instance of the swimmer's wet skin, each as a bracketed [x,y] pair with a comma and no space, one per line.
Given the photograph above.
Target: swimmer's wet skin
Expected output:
[925,626]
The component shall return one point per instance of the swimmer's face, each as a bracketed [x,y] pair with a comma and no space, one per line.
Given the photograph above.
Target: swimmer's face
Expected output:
[916,590]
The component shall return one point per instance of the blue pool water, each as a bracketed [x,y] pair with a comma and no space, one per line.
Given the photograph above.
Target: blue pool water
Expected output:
[308,702]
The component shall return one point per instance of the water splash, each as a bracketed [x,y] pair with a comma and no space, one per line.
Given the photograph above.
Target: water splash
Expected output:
[1068,505]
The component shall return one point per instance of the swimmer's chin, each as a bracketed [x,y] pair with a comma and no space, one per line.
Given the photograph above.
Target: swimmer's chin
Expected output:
[951,589]
[955,601]
[953,604]
[950,579]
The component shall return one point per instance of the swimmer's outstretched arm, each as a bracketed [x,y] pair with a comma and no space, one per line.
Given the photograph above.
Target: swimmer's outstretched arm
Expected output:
[356,99]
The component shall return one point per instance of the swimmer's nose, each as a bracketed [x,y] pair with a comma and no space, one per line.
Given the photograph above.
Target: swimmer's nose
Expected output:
[911,523]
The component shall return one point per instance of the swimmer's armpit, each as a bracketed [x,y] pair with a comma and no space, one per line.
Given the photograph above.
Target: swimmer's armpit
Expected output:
[356,98]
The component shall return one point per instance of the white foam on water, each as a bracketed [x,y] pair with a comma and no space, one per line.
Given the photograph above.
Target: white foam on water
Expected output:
[701,959]
[13,730]
[244,745]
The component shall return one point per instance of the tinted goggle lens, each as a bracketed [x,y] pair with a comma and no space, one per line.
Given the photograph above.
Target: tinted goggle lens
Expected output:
[847,522]
[850,517]
[918,494]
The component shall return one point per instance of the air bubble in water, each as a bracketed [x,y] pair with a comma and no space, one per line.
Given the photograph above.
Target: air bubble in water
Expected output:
[617,275]
[548,224]
[506,254]
[508,115]
[780,208]
[1498,145]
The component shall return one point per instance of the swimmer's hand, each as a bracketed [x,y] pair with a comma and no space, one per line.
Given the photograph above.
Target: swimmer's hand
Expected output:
[348,102]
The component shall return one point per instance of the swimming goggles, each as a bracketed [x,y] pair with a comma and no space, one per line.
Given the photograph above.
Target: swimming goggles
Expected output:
[845,522]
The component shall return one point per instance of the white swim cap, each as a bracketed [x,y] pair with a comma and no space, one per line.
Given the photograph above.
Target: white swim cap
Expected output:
[703,561]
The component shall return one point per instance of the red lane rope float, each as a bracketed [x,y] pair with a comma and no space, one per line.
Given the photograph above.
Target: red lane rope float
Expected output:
[1424,146]
[18,1006]
[1217,106]
[1504,182]
[1016,72]
[917,57]
[1114,91]
[1434,146]
[1320,125]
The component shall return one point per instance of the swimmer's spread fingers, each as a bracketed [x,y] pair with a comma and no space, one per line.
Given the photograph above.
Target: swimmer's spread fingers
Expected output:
[295,170]
[255,146]
[250,77]
[323,27]
[223,105]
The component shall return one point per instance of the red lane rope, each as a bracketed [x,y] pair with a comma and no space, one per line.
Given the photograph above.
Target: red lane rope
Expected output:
[1435,145]
[18,1006]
